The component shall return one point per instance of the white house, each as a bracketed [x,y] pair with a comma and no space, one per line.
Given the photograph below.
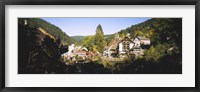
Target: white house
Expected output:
[71,49]
[141,40]
[125,45]
[112,49]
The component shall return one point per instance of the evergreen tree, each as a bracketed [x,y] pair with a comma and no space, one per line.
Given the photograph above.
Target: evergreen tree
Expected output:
[99,40]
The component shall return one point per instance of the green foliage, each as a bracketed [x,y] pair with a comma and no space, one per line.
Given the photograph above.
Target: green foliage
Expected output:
[108,38]
[88,42]
[165,35]
[159,30]
[96,42]
[156,52]
[52,29]
[78,39]
[122,35]
[137,33]
[99,40]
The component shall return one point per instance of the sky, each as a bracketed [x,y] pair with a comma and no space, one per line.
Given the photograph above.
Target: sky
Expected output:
[87,26]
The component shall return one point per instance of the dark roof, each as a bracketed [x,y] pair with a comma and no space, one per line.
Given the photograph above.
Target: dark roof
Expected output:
[142,38]
[127,39]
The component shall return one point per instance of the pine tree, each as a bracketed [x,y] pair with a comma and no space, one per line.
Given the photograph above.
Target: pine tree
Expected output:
[99,40]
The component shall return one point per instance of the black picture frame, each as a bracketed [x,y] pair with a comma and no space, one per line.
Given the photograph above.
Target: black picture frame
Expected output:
[3,3]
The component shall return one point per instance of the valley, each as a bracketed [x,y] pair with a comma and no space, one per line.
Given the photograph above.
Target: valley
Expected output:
[150,47]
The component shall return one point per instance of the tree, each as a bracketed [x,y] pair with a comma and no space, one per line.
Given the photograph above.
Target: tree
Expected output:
[88,42]
[156,52]
[137,33]
[122,35]
[99,40]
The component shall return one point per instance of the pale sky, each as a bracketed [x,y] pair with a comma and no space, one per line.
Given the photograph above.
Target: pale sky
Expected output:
[87,26]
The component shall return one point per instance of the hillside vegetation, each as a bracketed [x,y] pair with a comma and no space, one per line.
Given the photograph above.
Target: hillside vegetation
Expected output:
[78,39]
[52,29]
[159,30]
[165,35]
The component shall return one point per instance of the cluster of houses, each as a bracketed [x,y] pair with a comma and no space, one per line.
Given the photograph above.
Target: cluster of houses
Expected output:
[121,47]
[117,48]
[78,51]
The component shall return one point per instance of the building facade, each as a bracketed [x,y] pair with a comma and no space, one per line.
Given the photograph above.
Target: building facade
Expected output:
[141,40]
[125,45]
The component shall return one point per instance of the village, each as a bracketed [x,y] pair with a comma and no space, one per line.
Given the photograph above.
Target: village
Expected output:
[139,49]
[118,49]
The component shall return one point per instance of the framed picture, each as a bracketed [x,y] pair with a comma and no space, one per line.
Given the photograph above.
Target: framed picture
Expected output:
[116,45]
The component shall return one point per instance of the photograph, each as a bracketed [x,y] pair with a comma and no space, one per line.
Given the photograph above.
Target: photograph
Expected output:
[99,45]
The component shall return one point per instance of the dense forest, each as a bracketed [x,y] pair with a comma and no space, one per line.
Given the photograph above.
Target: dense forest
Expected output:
[165,35]
[39,53]
[159,30]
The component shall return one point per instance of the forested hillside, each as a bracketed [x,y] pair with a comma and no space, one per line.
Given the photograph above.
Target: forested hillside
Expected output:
[78,38]
[159,30]
[165,35]
[39,52]
[52,29]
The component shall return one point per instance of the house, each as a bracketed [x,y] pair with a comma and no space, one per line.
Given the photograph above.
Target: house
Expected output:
[141,40]
[136,51]
[119,46]
[112,48]
[80,53]
[71,48]
[94,53]
[125,45]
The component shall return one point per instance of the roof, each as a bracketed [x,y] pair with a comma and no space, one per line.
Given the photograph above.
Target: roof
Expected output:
[142,38]
[113,44]
[127,39]
[80,52]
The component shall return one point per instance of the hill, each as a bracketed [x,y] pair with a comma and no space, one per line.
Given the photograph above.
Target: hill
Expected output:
[52,29]
[159,30]
[165,35]
[78,38]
